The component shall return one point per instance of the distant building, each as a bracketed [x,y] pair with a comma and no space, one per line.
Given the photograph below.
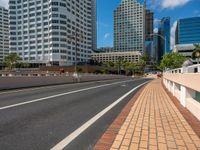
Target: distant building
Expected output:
[4,33]
[188,31]
[164,37]
[105,50]
[149,48]
[184,49]
[149,25]
[129,28]
[155,51]
[131,56]
[149,17]
[43,31]
[187,34]
[94,24]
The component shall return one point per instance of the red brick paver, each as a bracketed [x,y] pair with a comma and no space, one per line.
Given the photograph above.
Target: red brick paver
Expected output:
[154,122]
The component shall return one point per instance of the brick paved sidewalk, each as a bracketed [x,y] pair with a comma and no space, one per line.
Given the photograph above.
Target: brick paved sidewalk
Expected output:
[154,122]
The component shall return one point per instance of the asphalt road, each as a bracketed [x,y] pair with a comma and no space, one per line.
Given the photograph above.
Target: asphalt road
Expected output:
[40,118]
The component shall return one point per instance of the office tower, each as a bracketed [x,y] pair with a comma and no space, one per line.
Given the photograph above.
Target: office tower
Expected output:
[188,31]
[187,34]
[163,37]
[52,32]
[129,26]
[149,32]
[94,26]
[4,33]
[149,18]
[156,52]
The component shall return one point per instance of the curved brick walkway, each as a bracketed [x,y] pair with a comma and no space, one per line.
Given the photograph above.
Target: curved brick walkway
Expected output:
[154,122]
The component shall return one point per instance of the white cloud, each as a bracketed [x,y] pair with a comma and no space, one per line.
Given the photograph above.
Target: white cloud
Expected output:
[106,35]
[173,30]
[168,4]
[173,3]
[4,3]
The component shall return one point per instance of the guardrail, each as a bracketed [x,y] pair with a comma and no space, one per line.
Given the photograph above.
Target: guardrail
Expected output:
[184,84]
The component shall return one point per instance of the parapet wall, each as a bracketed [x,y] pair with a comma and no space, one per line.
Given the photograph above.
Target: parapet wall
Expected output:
[186,88]
[15,82]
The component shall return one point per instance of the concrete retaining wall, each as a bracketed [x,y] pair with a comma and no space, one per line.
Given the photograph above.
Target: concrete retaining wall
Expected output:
[24,82]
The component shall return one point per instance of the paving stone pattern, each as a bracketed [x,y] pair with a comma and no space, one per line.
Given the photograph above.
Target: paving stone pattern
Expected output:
[154,122]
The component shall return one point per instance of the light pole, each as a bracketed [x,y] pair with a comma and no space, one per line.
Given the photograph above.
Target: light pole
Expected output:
[76,37]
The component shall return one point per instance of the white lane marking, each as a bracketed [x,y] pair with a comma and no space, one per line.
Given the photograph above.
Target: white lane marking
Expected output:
[61,145]
[48,87]
[62,94]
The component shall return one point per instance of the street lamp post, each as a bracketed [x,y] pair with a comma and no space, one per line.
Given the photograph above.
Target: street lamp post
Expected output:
[76,36]
[75,65]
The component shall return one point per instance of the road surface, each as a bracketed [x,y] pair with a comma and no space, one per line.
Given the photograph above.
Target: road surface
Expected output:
[71,116]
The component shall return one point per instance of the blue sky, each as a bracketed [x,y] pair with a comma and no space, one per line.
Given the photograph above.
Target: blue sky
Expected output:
[175,9]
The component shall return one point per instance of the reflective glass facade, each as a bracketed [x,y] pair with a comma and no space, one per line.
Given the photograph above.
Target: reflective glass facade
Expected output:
[164,32]
[188,31]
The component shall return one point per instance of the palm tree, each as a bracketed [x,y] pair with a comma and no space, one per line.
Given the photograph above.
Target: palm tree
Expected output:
[11,60]
[196,52]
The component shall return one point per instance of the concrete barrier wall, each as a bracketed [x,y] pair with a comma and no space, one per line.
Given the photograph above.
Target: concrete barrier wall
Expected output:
[184,87]
[190,80]
[24,82]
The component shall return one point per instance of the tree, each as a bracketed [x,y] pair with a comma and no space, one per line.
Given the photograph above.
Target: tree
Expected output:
[145,57]
[172,61]
[196,52]
[12,60]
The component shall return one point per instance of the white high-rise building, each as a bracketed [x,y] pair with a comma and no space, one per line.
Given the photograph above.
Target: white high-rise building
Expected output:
[44,31]
[4,33]
[129,28]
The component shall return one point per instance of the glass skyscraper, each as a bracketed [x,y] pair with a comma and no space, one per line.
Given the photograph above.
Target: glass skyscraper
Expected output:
[164,32]
[188,31]
[43,31]
[187,34]
[129,28]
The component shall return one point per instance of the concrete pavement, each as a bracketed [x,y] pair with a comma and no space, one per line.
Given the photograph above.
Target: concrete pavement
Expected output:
[153,122]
